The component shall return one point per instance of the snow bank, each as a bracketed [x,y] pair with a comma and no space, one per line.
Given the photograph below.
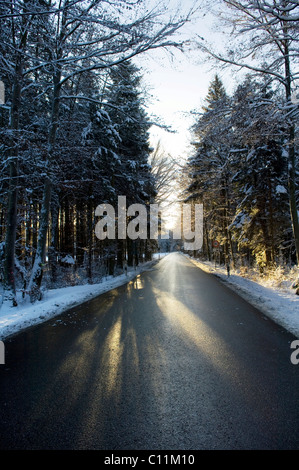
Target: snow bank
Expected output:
[279,303]
[56,301]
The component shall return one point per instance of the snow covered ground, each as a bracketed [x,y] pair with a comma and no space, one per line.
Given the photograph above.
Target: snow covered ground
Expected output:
[56,301]
[276,299]
[279,303]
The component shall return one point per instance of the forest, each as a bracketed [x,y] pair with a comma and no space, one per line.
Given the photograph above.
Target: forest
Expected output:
[239,172]
[244,164]
[74,133]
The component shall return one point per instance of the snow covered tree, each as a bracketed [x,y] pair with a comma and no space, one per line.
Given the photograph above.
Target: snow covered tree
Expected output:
[260,178]
[209,167]
[126,110]
[132,125]
[87,36]
[265,40]
[165,172]
[239,172]
[14,39]
[216,93]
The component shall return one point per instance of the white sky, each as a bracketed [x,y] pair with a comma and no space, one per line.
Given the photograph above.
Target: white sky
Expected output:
[179,84]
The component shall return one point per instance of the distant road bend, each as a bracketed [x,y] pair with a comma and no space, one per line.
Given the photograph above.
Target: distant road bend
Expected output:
[172,360]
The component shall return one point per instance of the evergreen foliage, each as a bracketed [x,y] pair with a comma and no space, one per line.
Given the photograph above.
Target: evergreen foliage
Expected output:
[74,134]
[239,171]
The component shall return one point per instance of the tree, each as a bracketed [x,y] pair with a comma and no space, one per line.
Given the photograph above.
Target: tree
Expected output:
[165,171]
[133,178]
[14,37]
[132,124]
[209,168]
[259,172]
[239,172]
[268,36]
[89,36]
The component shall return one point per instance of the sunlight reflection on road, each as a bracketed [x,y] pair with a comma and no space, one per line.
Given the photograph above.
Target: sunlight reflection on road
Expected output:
[138,347]
[112,356]
[189,327]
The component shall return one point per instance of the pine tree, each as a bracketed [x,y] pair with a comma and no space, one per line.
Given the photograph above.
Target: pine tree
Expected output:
[260,174]
[126,110]
[209,167]
[216,93]
[266,36]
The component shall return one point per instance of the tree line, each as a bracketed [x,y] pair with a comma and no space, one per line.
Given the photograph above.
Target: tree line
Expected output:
[74,132]
[239,172]
[244,164]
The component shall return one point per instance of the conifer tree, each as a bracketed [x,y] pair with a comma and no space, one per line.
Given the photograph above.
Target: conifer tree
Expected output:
[126,110]
[209,167]
[260,173]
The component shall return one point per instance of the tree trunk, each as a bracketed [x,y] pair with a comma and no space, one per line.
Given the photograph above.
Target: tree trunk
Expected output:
[130,252]
[271,221]
[89,235]
[292,190]
[207,242]
[11,230]
[10,239]
[291,143]
[38,266]
[81,242]
[54,240]
[9,259]
[120,253]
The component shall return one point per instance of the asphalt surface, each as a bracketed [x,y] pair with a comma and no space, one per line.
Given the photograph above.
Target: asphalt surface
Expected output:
[172,360]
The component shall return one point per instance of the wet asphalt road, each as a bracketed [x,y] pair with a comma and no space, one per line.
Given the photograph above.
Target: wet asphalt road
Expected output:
[172,360]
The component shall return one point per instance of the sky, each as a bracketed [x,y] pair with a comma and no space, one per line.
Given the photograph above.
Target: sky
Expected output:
[179,83]
[178,92]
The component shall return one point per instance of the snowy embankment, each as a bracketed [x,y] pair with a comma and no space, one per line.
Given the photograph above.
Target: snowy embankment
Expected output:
[275,298]
[56,301]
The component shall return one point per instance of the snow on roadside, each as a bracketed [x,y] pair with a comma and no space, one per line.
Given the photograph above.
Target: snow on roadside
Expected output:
[57,301]
[279,303]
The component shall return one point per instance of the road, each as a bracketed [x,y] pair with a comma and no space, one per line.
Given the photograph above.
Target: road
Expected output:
[172,360]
